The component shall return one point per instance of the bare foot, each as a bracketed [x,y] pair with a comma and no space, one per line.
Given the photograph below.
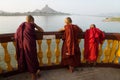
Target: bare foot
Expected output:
[38,73]
[33,76]
[71,69]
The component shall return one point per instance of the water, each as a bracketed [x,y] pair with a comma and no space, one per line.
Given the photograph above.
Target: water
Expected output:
[54,23]
[51,23]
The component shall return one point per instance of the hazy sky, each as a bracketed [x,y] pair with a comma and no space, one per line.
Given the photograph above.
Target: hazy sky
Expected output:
[69,6]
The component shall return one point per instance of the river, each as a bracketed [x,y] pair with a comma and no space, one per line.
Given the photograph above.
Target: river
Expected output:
[9,24]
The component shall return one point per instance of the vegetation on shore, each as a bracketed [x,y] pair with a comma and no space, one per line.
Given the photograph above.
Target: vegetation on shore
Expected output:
[112,19]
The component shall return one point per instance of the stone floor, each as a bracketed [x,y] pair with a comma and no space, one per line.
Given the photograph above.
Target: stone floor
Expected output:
[64,74]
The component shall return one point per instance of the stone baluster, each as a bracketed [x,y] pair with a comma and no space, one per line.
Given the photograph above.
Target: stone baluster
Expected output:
[40,53]
[107,52]
[49,55]
[7,57]
[57,51]
[0,68]
[82,56]
[79,40]
[100,53]
[113,50]
[14,43]
[116,60]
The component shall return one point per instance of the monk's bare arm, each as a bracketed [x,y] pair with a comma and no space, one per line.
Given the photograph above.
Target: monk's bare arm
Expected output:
[80,29]
[39,28]
[62,29]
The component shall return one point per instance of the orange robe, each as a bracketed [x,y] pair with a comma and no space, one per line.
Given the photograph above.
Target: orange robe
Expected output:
[93,37]
[71,46]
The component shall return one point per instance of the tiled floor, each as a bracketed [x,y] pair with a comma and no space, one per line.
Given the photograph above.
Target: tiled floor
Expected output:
[64,74]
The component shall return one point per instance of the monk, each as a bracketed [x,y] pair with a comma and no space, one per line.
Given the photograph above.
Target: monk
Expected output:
[93,37]
[26,46]
[70,49]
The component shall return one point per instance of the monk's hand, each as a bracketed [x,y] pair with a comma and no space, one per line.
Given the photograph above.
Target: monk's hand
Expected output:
[35,24]
[67,54]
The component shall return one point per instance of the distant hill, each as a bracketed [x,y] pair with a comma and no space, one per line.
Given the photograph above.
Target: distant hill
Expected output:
[1,11]
[47,9]
[43,12]
[112,19]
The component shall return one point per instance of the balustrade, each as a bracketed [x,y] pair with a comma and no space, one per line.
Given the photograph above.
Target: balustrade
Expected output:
[109,53]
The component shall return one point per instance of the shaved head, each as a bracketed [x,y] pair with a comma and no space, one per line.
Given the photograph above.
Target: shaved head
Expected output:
[68,20]
[29,18]
[92,26]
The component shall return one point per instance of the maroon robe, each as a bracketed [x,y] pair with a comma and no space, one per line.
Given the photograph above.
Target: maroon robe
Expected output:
[26,48]
[71,46]
[93,37]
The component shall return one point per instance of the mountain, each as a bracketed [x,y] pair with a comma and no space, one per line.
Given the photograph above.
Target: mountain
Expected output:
[48,11]
[37,10]
[1,11]
[45,11]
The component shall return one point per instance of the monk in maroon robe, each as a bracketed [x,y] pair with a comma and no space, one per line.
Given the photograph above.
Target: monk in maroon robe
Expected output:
[70,50]
[26,46]
[93,37]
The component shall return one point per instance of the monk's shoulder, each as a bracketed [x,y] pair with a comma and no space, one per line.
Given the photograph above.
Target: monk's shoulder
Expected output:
[67,27]
[98,29]
[23,23]
[87,30]
[78,28]
[31,25]
[75,25]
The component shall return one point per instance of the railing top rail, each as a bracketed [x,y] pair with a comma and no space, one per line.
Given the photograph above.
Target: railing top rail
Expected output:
[58,35]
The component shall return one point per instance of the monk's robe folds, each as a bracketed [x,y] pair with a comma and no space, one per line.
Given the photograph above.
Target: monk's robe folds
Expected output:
[93,37]
[26,47]
[71,46]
